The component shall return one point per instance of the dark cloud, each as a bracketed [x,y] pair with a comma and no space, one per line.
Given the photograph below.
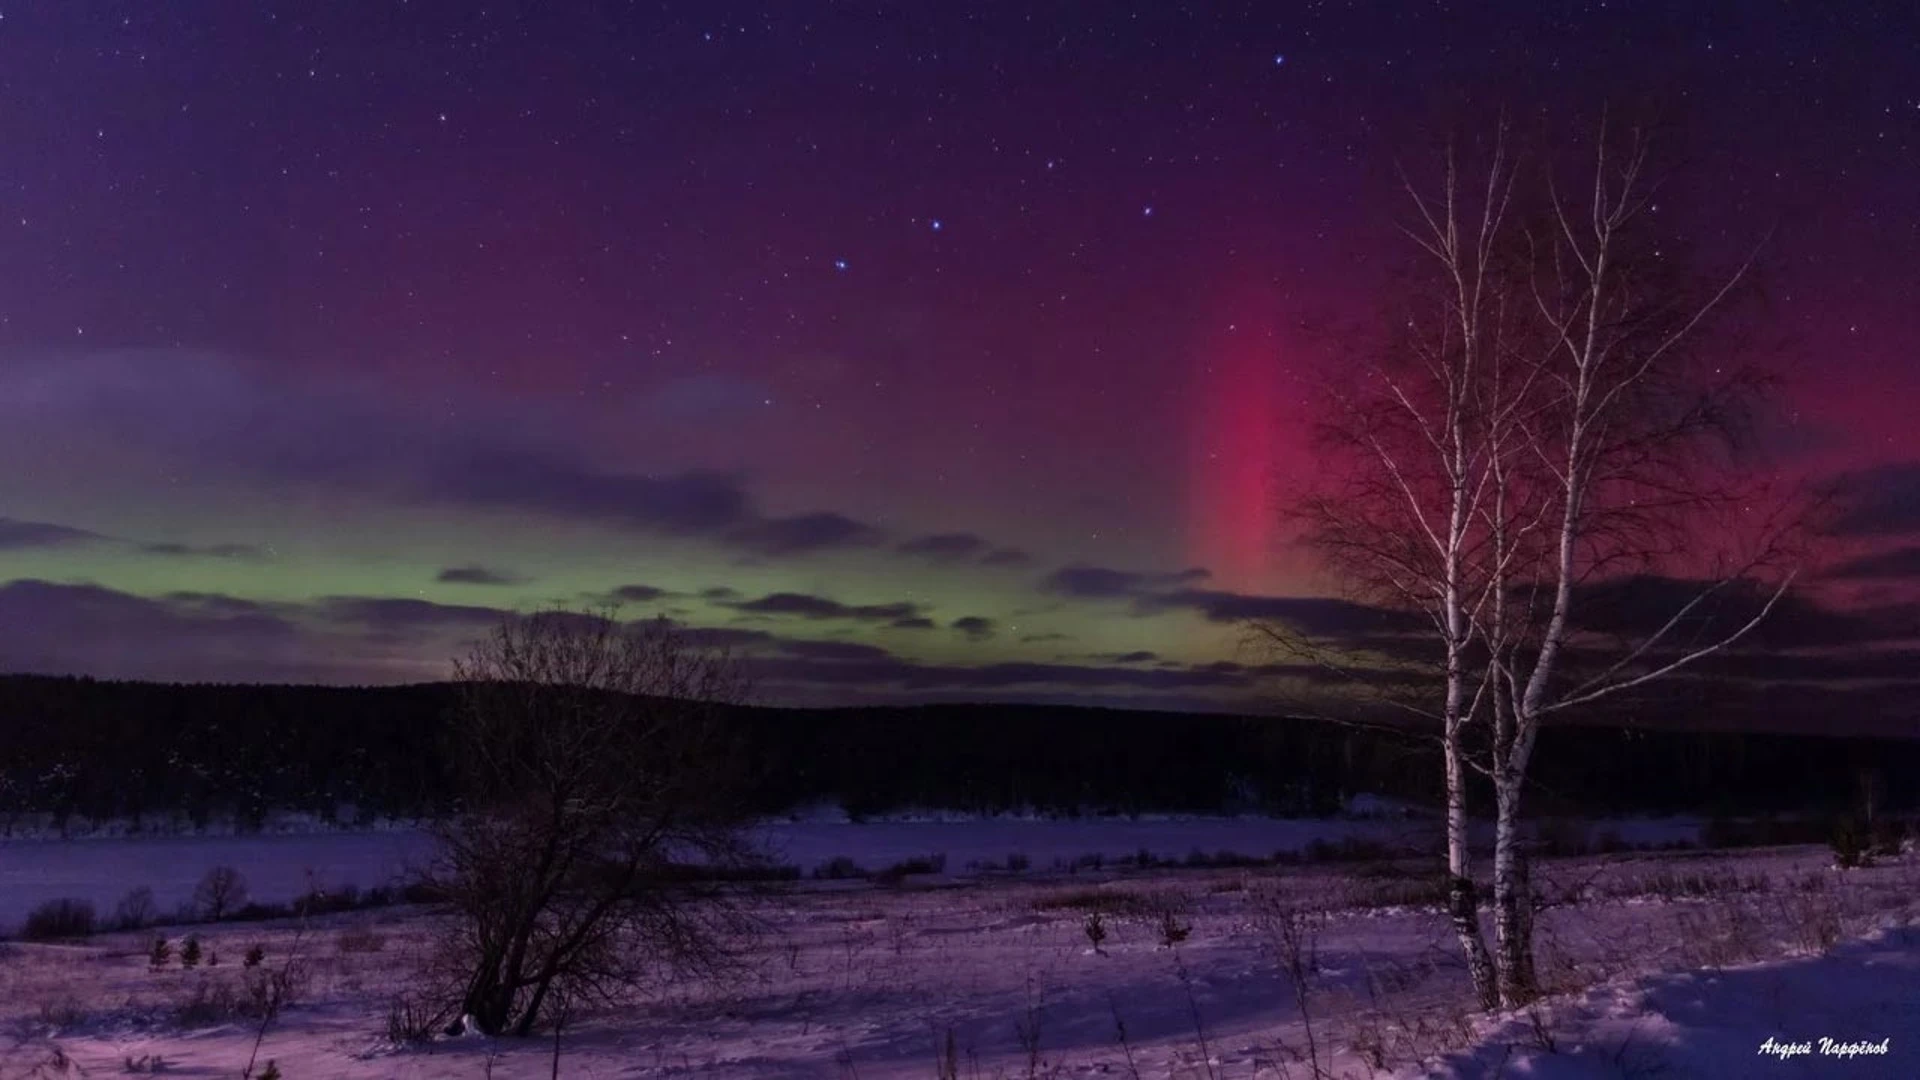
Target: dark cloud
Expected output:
[725,637]
[806,606]
[1141,656]
[636,594]
[89,629]
[804,534]
[210,551]
[222,605]
[1102,583]
[402,614]
[1034,639]
[72,629]
[901,674]
[1880,501]
[718,593]
[944,547]
[1881,566]
[1826,666]
[16,535]
[1093,583]
[1314,616]
[1633,607]
[835,650]
[688,504]
[207,413]
[918,622]
[476,575]
[958,547]
[1152,594]
[975,627]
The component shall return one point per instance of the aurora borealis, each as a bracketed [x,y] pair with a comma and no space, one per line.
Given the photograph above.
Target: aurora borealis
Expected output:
[922,351]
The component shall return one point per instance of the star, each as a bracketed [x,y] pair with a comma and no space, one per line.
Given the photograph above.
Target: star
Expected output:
[938,225]
[839,264]
[1279,59]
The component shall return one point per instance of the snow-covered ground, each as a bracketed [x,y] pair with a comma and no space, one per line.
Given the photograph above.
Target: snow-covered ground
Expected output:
[1679,964]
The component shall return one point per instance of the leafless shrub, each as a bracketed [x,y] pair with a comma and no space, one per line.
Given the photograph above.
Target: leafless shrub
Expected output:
[1720,934]
[1389,1033]
[221,892]
[1673,885]
[1027,1027]
[1292,939]
[594,755]
[412,1019]
[1418,891]
[1104,901]
[1540,1028]
[1193,1013]
[256,996]
[1172,928]
[136,909]
[39,1059]
[62,1014]
[66,917]
[1120,1036]
[268,992]
[1813,918]
[206,1003]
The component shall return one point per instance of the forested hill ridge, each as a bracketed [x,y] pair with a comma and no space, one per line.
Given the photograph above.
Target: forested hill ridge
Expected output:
[103,750]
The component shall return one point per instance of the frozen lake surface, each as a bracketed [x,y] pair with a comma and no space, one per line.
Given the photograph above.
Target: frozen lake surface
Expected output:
[281,866]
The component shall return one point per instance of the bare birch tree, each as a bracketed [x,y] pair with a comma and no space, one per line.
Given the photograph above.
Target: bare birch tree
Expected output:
[1403,523]
[1540,421]
[1622,443]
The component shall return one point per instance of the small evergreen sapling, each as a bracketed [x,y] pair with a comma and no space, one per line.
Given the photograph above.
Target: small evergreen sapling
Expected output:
[159,955]
[1096,929]
[190,952]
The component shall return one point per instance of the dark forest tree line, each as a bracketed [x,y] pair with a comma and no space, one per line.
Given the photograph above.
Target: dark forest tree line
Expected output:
[82,748]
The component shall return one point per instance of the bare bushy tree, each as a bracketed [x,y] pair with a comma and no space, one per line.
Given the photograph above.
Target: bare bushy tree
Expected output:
[1544,424]
[221,892]
[597,766]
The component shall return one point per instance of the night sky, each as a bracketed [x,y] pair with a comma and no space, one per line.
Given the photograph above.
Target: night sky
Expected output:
[923,351]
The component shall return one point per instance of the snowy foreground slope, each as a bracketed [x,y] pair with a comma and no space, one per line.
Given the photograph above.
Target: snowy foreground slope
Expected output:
[1853,1012]
[1678,964]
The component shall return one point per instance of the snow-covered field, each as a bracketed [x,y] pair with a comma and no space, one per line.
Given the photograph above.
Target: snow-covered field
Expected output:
[1678,964]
